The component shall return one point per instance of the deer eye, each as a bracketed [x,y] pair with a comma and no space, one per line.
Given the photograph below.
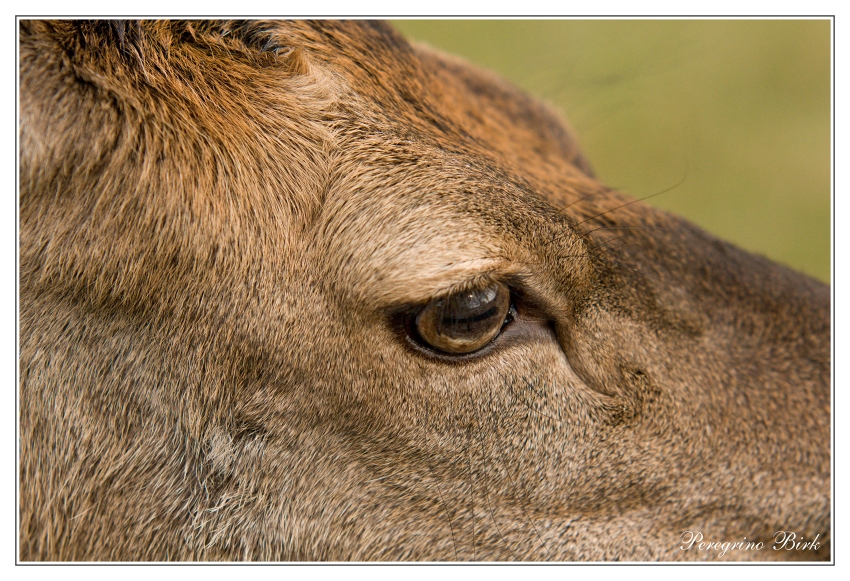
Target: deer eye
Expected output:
[466,321]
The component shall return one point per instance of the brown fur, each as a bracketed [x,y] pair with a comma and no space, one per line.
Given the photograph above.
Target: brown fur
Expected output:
[220,223]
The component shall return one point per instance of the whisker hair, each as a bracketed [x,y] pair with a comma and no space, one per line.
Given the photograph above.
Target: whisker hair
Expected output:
[664,191]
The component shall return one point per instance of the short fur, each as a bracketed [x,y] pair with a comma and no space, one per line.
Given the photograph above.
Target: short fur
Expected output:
[220,223]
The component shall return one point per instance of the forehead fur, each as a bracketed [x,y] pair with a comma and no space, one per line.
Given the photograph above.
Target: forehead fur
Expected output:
[312,133]
[168,128]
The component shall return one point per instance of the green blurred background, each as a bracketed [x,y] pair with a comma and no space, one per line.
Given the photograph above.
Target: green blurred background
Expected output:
[741,109]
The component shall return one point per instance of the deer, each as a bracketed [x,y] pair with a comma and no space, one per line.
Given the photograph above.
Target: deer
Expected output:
[304,291]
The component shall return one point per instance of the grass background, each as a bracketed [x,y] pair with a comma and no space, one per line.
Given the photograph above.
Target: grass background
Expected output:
[740,109]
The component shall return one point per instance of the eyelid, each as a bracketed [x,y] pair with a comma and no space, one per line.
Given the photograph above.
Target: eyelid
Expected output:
[478,282]
[514,281]
[418,287]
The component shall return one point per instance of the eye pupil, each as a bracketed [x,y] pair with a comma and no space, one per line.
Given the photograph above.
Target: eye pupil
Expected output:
[465,322]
